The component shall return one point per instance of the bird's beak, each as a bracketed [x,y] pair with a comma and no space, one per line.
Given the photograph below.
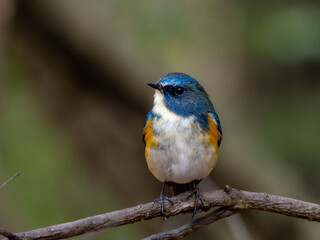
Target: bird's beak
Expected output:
[155,86]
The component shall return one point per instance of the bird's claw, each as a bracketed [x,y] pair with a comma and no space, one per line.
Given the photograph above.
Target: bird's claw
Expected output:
[162,199]
[197,196]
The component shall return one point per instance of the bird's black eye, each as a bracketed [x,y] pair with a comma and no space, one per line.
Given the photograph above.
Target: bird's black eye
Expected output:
[179,90]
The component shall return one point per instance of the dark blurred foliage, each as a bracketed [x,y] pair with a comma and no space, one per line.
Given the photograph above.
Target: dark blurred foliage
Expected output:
[74,98]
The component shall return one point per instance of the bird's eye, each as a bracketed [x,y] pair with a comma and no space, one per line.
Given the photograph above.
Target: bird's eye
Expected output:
[179,90]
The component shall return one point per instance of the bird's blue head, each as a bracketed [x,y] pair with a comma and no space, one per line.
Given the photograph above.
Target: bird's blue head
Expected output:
[184,96]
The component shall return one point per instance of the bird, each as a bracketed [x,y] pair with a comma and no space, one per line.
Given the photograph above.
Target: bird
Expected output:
[182,134]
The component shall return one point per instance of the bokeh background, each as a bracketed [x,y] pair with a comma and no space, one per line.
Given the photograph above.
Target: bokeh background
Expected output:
[74,99]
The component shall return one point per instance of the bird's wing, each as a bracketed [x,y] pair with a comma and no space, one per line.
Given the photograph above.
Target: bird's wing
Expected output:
[215,132]
[147,130]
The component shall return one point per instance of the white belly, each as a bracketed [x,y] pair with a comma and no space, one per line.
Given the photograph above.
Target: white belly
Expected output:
[182,152]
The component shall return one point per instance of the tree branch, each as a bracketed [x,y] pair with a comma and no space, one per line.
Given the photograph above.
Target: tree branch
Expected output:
[229,197]
[8,235]
[194,225]
[9,180]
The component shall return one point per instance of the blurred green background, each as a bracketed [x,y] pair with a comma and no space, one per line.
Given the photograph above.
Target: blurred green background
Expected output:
[74,98]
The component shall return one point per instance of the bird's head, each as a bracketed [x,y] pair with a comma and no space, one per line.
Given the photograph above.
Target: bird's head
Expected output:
[182,95]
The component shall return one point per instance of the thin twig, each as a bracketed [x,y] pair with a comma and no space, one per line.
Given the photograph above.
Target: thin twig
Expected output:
[194,225]
[9,180]
[229,197]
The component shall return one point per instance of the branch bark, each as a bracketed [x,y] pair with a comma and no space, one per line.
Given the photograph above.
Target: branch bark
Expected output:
[231,198]
[194,225]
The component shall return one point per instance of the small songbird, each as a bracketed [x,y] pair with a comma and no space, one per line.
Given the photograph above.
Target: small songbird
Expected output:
[181,134]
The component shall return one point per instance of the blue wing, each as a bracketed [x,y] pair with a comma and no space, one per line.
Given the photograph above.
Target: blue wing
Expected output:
[144,132]
[214,115]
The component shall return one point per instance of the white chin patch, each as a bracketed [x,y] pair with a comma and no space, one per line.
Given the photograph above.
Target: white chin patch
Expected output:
[160,108]
[158,98]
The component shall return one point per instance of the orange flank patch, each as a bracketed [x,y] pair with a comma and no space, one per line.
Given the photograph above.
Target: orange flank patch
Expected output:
[148,137]
[213,134]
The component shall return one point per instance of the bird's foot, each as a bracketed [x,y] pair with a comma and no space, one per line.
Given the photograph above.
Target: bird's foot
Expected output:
[197,196]
[162,199]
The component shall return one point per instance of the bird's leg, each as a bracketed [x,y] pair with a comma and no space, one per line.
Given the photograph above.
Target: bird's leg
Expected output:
[197,196]
[162,198]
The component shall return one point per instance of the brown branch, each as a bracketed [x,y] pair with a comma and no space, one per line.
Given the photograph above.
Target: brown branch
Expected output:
[194,225]
[8,235]
[9,180]
[229,197]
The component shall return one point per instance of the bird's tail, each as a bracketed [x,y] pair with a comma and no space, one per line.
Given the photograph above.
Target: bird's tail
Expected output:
[181,188]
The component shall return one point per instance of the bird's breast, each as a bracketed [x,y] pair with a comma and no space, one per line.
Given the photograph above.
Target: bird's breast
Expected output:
[181,151]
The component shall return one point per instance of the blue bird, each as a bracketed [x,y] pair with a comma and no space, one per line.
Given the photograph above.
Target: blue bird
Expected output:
[181,134]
